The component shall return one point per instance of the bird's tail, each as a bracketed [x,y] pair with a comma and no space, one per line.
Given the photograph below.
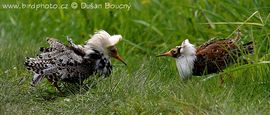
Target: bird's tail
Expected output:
[37,66]
[46,62]
[49,61]
[57,62]
[242,50]
[248,48]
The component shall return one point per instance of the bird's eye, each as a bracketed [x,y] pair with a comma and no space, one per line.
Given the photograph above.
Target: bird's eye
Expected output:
[173,51]
[113,50]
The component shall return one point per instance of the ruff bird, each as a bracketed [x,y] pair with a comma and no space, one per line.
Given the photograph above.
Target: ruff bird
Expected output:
[74,63]
[211,57]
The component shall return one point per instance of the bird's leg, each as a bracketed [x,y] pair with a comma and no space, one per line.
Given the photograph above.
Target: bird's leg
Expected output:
[221,77]
[55,85]
[221,80]
[76,48]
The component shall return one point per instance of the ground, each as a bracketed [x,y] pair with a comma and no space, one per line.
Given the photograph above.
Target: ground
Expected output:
[148,85]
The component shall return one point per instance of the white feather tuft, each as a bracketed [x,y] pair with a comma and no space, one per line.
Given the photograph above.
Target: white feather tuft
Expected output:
[115,39]
[187,48]
[104,39]
[102,34]
[185,62]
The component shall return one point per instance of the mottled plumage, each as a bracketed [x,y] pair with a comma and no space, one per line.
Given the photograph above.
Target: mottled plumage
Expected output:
[74,63]
[211,57]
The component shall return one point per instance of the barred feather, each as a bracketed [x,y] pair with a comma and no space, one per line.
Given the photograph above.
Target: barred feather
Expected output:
[59,62]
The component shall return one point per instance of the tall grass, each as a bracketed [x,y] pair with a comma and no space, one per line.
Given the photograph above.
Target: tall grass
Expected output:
[148,85]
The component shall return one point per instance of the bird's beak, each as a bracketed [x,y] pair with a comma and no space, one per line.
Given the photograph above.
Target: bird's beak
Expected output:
[116,56]
[165,54]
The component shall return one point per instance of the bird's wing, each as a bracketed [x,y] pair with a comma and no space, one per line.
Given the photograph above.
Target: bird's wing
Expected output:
[214,56]
[58,62]
[216,48]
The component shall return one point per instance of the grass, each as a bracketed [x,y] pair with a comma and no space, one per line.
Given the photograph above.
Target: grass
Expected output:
[148,85]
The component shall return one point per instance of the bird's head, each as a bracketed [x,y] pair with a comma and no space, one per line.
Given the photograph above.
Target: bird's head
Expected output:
[185,57]
[185,49]
[104,42]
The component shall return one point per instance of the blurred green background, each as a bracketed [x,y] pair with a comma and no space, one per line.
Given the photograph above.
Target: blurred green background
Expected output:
[148,85]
